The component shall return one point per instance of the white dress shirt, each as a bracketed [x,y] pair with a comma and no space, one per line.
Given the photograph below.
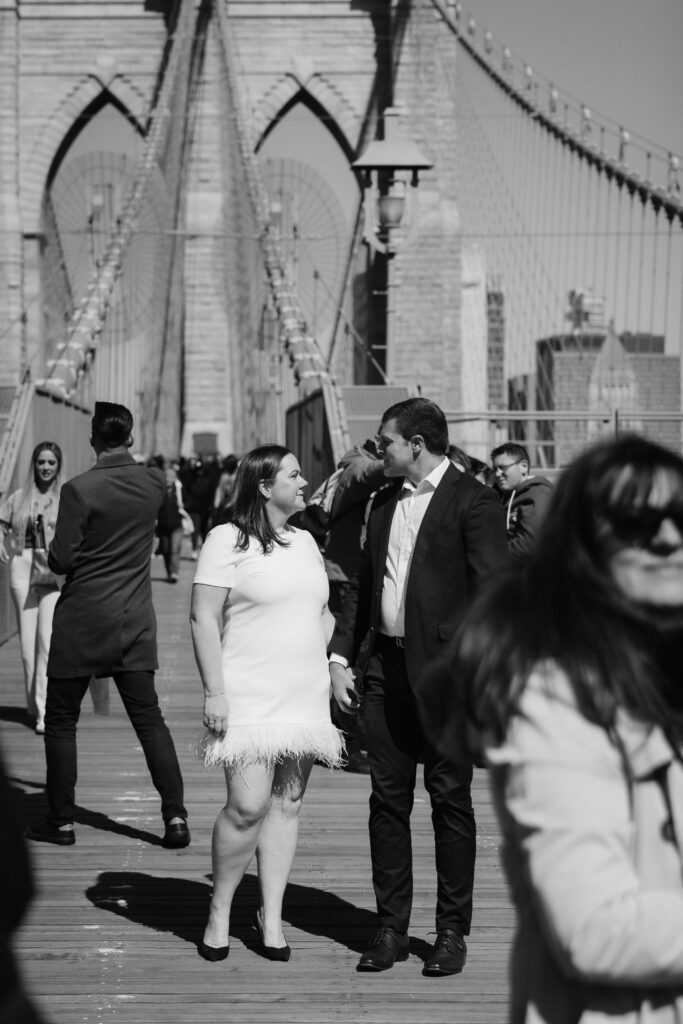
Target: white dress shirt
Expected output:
[410,511]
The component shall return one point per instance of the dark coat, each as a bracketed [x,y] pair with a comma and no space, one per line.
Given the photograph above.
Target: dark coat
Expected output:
[104,620]
[525,508]
[460,542]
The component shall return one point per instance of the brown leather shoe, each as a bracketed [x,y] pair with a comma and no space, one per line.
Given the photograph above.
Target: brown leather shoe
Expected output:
[386,948]
[448,954]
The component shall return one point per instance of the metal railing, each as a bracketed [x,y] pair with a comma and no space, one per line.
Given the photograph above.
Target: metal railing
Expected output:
[554,437]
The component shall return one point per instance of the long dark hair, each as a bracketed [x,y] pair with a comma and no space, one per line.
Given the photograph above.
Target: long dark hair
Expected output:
[563,606]
[247,506]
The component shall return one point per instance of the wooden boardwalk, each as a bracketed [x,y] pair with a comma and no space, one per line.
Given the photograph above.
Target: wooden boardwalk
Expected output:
[111,935]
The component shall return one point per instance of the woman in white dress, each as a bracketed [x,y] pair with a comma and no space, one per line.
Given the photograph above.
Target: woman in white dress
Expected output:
[260,627]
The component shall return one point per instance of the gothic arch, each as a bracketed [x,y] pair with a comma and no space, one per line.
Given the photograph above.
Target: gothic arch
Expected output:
[323,98]
[87,94]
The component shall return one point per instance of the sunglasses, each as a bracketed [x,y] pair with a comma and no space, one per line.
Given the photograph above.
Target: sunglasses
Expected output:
[508,465]
[638,527]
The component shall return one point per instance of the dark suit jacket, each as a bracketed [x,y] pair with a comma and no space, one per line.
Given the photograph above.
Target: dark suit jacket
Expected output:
[461,541]
[104,621]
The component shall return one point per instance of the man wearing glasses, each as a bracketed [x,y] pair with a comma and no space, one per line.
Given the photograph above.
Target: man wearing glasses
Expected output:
[524,497]
[432,538]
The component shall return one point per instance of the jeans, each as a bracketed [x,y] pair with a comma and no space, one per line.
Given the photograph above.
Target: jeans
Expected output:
[34,607]
[64,698]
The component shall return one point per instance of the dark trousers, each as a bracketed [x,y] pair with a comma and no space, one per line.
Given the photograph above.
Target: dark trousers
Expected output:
[395,744]
[64,698]
[170,545]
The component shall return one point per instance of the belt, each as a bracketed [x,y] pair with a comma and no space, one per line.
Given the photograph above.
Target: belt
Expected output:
[396,641]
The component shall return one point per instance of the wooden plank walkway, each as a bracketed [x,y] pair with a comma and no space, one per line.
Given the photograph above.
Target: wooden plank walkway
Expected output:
[111,935]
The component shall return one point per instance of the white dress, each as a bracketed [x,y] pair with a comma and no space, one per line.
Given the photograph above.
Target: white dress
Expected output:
[274,645]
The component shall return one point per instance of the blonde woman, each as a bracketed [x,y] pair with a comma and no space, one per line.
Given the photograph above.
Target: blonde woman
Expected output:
[27,521]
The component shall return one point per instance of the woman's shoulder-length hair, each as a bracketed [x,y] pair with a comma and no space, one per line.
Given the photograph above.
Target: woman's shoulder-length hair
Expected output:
[247,508]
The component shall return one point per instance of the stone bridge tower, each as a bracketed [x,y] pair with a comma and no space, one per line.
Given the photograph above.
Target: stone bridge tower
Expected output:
[77,80]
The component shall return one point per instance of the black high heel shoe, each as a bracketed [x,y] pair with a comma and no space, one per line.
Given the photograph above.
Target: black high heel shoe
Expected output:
[213,953]
[282,953]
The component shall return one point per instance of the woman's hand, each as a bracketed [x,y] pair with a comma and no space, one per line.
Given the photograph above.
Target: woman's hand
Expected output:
[4,553]
[216,714]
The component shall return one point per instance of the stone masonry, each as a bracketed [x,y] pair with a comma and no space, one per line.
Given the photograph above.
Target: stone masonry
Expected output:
[57,57]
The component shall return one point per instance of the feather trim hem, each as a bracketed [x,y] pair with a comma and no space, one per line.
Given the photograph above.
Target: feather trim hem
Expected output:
[271,744]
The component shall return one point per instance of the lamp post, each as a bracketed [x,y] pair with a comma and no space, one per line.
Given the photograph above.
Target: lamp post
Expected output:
[389,171]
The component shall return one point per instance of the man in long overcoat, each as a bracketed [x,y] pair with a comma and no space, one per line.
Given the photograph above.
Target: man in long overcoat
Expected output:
[104,623]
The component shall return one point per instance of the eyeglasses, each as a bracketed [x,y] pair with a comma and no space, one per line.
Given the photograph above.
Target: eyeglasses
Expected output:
[506,467]
[638,527]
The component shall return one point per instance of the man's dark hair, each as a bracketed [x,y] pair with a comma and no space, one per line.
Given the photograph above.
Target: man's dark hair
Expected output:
[112,424]
[516,451]
[420,416]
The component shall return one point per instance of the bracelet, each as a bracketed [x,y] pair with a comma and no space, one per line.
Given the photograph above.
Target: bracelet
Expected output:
[207,695]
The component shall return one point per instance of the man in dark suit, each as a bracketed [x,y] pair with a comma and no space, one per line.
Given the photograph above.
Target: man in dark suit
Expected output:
[104,622]
[431,540]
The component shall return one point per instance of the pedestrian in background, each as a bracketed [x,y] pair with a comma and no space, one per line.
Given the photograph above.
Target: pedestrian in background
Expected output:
[199,488]
[524,495]
[28,518]
[170,524]
[104,622]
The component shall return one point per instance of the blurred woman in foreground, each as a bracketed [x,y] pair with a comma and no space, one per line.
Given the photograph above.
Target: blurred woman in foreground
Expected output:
[572,666]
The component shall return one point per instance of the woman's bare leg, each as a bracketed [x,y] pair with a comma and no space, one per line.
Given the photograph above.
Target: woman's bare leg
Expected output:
[233,844]
[277,841]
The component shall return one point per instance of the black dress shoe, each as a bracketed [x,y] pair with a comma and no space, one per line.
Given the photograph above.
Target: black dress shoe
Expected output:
[282,953]
[46,832]
[448,954]
[386,948]
[176,836]
[213,953]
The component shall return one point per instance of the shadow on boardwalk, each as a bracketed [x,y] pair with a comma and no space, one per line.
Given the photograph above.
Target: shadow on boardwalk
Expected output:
[110,936]
[180,906]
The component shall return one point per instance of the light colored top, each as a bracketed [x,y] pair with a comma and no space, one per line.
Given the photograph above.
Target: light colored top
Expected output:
[274,635]
[596,872]
[45,504]
[410,511]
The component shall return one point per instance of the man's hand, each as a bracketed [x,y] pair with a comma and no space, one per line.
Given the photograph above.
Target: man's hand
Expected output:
[343,688]
[216,714]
